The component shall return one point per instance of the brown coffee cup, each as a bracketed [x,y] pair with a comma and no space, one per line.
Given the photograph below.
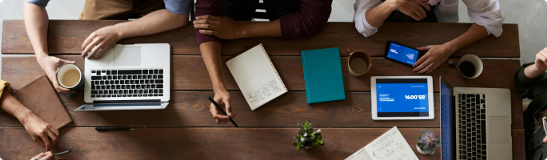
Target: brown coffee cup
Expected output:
[359,62]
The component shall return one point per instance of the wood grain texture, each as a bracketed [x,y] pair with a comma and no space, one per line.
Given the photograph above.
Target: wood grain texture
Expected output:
[188,72]
[67,36]
[191,109]
[207,143]
[198,143]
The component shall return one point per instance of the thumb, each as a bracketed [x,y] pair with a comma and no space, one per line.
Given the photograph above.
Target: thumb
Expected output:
[67,61]
[424,48]
[228,107]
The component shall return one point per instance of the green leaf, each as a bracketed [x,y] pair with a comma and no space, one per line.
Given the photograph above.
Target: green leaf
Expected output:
[420,140]
[321,142]
[298,149]
[437,143]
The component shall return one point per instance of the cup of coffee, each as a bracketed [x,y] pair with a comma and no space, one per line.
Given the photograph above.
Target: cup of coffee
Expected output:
[469,66]
[70,76]
[359,62]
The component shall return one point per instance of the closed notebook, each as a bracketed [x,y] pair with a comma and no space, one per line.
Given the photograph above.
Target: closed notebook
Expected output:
[256,76]
[40,97]
[323,75]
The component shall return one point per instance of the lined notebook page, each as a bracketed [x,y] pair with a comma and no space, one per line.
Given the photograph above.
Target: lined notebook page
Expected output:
[256,76]
[390,145]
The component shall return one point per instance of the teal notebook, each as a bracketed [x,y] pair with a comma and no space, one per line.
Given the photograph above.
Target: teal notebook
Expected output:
[323,75]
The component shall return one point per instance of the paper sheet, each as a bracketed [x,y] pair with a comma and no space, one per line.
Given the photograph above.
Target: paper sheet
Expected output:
[390,145]
[256,76]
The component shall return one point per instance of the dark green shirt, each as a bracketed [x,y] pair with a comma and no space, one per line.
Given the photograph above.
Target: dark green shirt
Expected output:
[535,89]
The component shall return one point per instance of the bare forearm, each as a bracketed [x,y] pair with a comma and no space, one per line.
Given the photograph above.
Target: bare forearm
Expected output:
[261,29]
[12,106]
[532,72]
[377,15]
[472,35]
[155,22]
[36,23]
[210,52]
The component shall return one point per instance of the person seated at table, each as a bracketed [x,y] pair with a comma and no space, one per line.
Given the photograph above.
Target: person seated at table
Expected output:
[531,82]
[488,18]
[218,19]
[156,16]
[39,130]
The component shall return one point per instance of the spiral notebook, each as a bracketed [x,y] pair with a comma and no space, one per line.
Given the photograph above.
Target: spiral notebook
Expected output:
[256,76]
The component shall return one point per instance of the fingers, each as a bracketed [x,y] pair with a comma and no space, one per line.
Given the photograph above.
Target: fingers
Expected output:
[204,26]
[221,119]
[38,140]
[46,140]
[421,11]
[208,32]
[545,140]
[53,138]
[420,61]
[67,61]
[428,69]
[422,65]
[42,154]
[58,87]
[424,48]
[48,156]
[215,18]
[87,50]
[86,43]
[426,6]
[53,130]
[206,21]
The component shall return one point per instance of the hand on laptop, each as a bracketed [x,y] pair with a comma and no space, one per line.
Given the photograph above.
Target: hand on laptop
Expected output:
[45,156]
[219,26]
[50,64]
[40,131]
[99,42]
[435,56]
[223,99]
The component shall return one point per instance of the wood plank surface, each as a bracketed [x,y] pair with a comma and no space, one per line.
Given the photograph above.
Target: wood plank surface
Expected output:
[206,143]
[191,109]
[189,73]
[67,36]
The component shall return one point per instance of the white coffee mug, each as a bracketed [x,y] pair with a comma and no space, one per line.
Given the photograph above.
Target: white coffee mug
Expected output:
[465,70]
[73,83]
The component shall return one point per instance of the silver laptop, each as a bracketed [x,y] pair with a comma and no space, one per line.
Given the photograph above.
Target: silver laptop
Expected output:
[128,77]
[475,122]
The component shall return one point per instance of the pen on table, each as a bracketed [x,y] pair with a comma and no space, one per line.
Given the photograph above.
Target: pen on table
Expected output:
[56,154]
[113,129]
[222,111]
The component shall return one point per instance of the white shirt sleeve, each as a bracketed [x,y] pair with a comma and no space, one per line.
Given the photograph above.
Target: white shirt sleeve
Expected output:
[361,7]
[486,13]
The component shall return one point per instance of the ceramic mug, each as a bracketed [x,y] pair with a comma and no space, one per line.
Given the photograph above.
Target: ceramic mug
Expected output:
[70,76]
[359,62]
[469,66]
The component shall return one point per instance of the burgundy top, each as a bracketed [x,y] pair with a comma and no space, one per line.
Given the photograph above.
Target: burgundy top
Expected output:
[309,20]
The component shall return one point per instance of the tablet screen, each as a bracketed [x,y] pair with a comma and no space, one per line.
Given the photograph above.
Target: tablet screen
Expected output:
[402,97]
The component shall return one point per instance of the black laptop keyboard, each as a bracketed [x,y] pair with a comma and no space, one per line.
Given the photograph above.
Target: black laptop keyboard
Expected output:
[472,126]
[126,83]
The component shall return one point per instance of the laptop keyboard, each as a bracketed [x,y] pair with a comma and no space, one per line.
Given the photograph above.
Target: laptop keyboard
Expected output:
[472,126]
[126,83]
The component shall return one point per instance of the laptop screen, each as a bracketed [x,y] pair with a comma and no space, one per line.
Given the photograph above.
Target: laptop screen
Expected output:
[446,121]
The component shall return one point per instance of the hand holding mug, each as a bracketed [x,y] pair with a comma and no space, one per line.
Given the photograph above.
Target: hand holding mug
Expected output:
[50,65]
[71,77]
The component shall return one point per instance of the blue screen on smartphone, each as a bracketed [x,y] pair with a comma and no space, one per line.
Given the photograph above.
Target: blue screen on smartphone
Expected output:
[402,54]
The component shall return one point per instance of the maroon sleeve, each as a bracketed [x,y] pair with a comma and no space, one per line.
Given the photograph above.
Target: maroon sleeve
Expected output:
[208,7]
[308,21]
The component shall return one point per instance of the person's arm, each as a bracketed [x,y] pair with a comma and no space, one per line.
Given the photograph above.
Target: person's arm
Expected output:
[530,78]
[308,21]
[40,131]
[36,23]
[105,38]
[488,20]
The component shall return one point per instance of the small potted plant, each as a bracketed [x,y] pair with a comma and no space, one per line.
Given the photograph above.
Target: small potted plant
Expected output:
[427,142]
[307,138]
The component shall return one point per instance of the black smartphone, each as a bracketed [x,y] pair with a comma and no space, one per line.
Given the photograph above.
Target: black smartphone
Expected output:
[401,53]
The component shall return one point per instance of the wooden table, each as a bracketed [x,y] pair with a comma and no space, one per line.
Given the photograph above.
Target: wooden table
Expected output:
[186,130]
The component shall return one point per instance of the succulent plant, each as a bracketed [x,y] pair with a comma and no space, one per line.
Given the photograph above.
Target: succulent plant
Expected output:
[307,137]
[428,141]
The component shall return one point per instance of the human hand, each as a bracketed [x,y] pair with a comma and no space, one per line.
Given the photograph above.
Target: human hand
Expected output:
[44,156]
[219,26]
[435,56]
[541,60]
[50,64]
[412,8]
[100,41]
[40,131]
[223,99]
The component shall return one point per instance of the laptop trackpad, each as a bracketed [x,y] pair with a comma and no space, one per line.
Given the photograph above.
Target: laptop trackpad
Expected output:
[499,129]
[128,56]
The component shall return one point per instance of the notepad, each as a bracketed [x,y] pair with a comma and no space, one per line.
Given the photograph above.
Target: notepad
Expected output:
[40,98]
[323,75]
[256,76]
[390,145]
